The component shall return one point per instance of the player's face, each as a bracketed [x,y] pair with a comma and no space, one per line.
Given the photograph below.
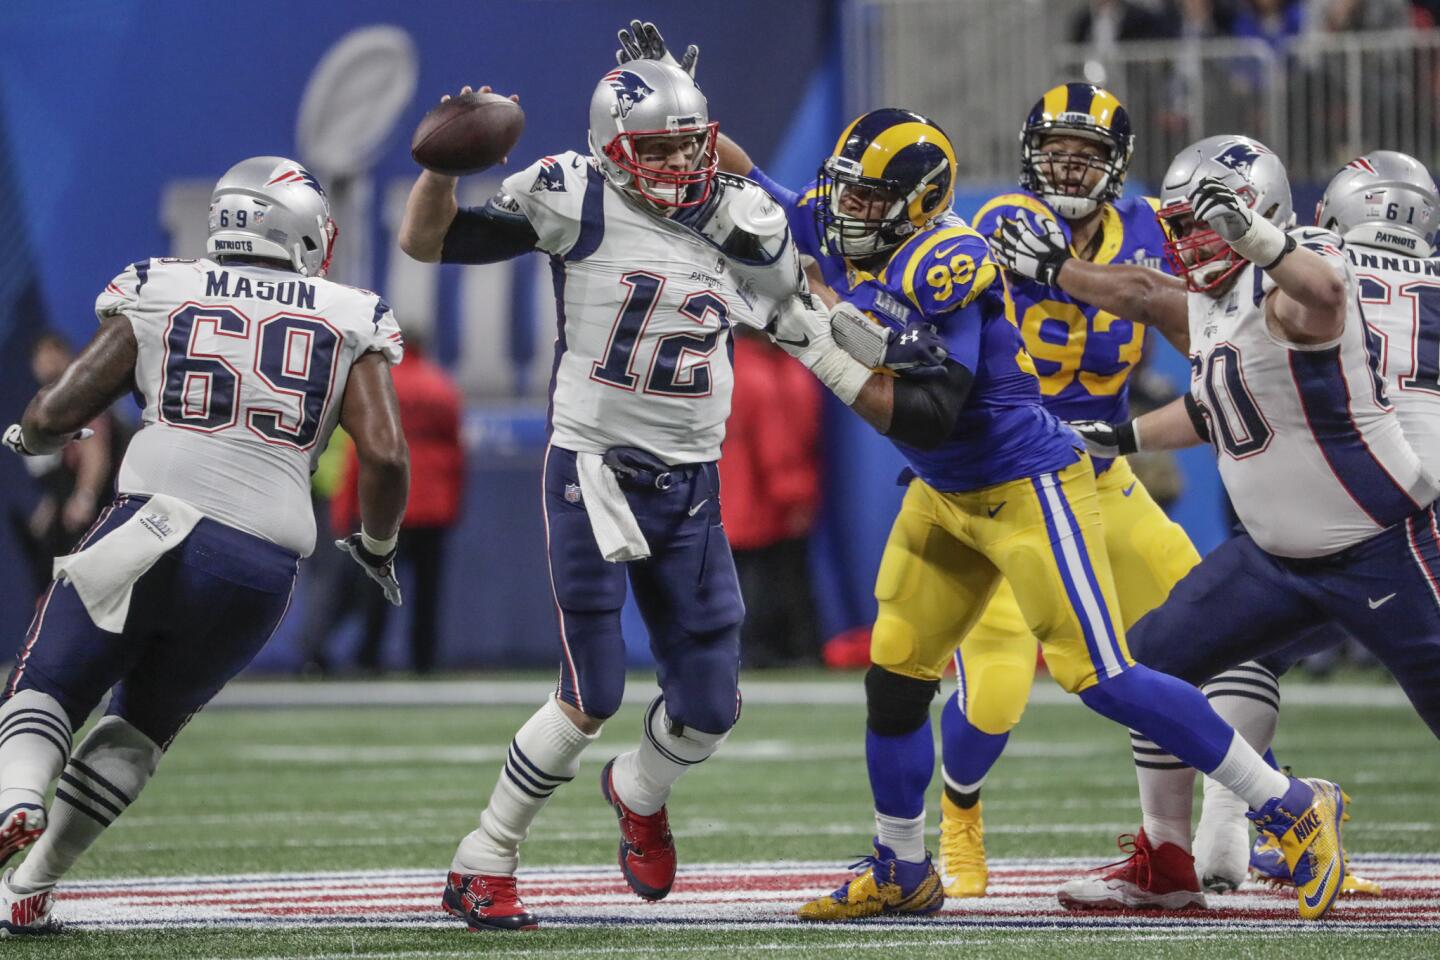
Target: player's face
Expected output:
[1072,164]
[677,154]
[866,203]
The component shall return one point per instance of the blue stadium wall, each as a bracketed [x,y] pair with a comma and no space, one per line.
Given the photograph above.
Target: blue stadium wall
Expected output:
[104,103]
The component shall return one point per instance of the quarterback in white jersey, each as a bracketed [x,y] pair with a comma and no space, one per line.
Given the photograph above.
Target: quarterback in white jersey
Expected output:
[244,362]
[655,257]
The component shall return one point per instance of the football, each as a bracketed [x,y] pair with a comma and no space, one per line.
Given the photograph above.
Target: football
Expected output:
[467,133]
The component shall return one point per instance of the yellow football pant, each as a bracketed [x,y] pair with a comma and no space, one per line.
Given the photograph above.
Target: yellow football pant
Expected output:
[1149,553]
[948,552]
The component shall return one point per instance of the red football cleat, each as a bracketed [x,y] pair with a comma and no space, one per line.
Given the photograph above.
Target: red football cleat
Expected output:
[647,851]
[20,826]
[1151,878]
[486,902]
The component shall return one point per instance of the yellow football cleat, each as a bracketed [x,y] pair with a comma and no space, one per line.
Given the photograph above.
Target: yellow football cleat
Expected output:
[1305,822]
[886,886]
[962,850]
[1267,865]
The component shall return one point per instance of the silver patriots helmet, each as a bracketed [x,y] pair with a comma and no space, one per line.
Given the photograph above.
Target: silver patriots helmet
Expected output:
[648,98]
[1244,165]
[273,208]
[1384,199]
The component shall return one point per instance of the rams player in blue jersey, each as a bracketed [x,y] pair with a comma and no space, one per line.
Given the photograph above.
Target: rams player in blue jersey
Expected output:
[1075,149]
[995,490]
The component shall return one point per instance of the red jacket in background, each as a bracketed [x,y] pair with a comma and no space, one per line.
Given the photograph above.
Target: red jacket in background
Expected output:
[770,465]
[430,415]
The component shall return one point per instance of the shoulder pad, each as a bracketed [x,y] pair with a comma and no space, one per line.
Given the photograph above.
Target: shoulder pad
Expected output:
[944,268]
[1008,205]
[743,221]
[1317,239]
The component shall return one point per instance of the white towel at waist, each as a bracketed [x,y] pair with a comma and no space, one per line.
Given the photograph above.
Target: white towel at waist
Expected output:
[616,530]
[105,572]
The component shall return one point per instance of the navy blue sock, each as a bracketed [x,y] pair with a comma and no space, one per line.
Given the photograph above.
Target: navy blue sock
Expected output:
[967,752]
[900,770]
[1171,713]
[1270,759]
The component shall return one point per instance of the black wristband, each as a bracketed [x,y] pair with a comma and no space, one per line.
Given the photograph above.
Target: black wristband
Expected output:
[1285,251]
[1125,438]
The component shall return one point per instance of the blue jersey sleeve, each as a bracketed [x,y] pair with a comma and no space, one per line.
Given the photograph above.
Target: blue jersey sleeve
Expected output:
[947,270]
[961,331]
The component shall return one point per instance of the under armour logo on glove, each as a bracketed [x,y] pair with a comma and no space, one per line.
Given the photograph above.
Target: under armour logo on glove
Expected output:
[918,351]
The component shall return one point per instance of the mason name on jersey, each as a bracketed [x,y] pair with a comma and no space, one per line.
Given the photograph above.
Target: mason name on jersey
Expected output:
[647,302]
[242,369]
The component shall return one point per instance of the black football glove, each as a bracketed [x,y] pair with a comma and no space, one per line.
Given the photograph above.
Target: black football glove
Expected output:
[377,568]
[1106,440]
[643,42]
[1030,250]
[917,351]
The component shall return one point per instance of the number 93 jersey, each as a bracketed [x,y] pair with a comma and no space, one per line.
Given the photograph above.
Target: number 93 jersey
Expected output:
[1310,449]
[1083,355]
[242,369]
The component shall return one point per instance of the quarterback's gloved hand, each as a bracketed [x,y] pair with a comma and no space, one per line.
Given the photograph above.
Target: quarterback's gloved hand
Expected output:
[643,42]
[801,327]
[1031,250]
[918,351]
[381,569]
[1107,440]
[14,438]
[1254,238]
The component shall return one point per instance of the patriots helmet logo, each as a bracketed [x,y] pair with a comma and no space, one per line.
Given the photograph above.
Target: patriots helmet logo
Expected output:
[629,89]
[1240,156]
[297,175]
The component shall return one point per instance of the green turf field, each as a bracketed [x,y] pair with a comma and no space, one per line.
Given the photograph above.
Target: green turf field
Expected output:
[290,791]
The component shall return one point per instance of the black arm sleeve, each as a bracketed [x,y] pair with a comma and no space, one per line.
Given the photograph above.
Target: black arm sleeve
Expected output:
[497,231]
[925,410]
[1197,417]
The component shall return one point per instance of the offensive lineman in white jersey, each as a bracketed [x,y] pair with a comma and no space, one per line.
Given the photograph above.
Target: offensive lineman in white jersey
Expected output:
[655,256]
[245,363]
[1386,208]
[1337,506]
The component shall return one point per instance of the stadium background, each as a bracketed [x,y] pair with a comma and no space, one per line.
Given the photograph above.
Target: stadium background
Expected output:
[117,116]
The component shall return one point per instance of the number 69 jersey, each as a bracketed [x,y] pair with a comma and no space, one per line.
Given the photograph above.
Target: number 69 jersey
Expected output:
[1310,450]
[242,369]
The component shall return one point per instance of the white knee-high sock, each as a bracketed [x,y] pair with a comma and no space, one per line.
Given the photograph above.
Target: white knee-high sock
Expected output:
[544,754]
[1247,774]
[104,776]
[643,776]
[1248,698]
[35,740]
[1167,793]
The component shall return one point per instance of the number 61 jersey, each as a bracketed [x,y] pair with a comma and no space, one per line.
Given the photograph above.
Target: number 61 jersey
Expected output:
[242,369]
[1310,450]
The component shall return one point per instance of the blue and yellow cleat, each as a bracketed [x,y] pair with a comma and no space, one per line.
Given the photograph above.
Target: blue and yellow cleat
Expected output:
[1267,865]
[1305,824]
[885,886]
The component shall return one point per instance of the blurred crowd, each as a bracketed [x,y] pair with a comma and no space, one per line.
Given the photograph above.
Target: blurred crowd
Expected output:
[1274,21]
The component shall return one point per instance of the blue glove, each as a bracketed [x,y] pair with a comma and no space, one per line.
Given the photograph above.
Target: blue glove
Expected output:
[917,351]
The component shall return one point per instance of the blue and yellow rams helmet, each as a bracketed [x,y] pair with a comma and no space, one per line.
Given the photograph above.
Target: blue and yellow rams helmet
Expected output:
[890,156]
[1066,180]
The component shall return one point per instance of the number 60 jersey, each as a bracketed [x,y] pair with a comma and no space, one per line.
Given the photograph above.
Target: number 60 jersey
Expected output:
[242,369]
[1311,452]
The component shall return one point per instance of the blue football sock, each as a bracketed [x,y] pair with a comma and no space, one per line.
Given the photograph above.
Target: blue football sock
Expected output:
[900,770]
[967,751]
[1171,713]
[1270,759]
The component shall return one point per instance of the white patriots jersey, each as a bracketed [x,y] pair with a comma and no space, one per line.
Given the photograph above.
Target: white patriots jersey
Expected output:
[1401,299]
[643,354]
[242,369]
[1310,450]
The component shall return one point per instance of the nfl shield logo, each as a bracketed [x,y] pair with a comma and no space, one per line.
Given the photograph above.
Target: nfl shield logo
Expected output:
[572,493]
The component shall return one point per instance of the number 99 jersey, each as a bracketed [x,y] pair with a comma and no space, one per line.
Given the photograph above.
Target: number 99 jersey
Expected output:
[242,369]
[1309,448]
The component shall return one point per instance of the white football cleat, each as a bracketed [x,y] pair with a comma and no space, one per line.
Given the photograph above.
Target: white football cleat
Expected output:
[25,913]
[1222,841]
